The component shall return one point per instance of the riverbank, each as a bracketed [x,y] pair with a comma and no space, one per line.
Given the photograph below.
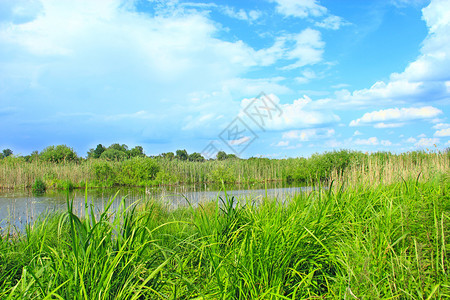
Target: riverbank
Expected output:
[18,173]
[377,242]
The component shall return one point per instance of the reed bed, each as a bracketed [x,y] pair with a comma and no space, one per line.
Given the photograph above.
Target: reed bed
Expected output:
[387,241]
[387,169]
[342,166]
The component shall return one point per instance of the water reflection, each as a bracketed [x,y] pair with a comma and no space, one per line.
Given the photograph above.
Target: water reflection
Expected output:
[19,207]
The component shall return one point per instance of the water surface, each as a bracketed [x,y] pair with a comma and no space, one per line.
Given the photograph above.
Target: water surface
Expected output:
[19,207]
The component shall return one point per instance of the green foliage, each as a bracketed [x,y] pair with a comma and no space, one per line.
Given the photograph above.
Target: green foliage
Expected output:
[137,151]
[38,186]
[181,155]
[385,242]
[167,155]
[196,157]
[104,173]
[58,154]
[138,171]
[7,152]
[112,154]
[222,173]
[97,152]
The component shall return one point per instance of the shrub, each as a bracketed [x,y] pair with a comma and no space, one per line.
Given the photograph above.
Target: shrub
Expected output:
[138,171]
[104,173]
[114,155]
[60,153]
[38,186]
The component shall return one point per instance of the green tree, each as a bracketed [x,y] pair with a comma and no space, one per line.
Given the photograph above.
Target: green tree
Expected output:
[114,155]
[7,152]
[97,152]
[118,147]
[182,155]
[221,155]
[196,157]
[137,151]
[168,155]
[60,153]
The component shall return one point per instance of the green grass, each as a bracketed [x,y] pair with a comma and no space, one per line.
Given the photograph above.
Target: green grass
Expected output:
[374,168]
[347,242]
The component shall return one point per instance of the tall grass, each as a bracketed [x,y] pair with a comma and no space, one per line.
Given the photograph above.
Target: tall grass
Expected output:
[339,166]
[356,242]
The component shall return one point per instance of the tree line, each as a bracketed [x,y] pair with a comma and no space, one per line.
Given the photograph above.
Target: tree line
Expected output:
[114,152]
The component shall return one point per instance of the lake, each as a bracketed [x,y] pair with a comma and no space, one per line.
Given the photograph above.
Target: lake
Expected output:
[19,207]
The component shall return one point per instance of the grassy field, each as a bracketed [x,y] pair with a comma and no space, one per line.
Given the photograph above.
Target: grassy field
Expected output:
[18,173]
[353,241]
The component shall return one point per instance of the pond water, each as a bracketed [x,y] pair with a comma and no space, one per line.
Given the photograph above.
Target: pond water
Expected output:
[19,207]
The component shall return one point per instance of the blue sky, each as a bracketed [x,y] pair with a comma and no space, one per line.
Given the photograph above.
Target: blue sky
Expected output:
[168,75]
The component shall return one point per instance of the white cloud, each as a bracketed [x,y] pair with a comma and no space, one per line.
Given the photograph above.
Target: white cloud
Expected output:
[442,132]
[441,126]
[282,144]
[241,14]
[307,50]
[425,80]
[386,143]
[309,134]
[372,141]
[332,22]
[411,140]
[388,125]
[357,132]
[426,142]
[396,115]
[301,113]
[422,135]
[306,77]
[300,8]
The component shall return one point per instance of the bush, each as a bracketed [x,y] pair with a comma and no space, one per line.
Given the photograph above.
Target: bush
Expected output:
[114,155]
[58,154]
[138,171]
[104,173]
[38,186]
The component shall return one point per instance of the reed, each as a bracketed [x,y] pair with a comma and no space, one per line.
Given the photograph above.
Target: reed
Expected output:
[351,167]
[383,241]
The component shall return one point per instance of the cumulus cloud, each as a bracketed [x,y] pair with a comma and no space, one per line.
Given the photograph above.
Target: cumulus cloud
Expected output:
[425,80]
[395,116]
[309,134]
[426,142]
[441,126]
[442,132]
[372,141]
[301,113]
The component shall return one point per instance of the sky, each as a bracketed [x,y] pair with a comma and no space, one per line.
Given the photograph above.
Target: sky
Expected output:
[272,78]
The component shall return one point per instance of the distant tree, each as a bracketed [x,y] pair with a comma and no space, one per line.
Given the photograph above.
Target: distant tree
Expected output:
[137,151]
[168,155]
[232,156]
[1,155]
[114,154]
[7,152]
[97,152]
[33,156]
[196,157]
[221,155]
[182,155]
[118,147]
[60,153]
